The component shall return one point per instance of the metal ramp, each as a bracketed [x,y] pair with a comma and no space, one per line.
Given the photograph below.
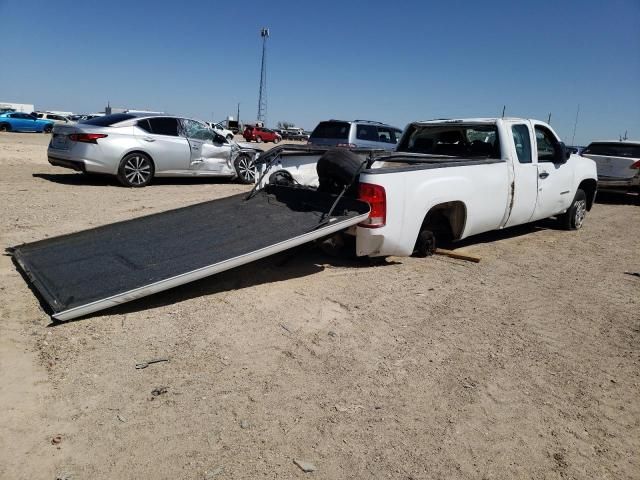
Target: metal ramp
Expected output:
[81,273]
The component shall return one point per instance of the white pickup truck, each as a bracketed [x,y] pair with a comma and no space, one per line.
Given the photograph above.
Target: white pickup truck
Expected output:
[455,178]
[447,179]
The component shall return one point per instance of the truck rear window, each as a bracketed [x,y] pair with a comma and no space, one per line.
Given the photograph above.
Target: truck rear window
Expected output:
[612,149]
[452,140]
[331,129]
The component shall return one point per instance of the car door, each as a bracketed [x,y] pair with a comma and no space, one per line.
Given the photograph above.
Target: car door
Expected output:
[209,153]
[525,174]
[160,138]
[22,122]
[555,177]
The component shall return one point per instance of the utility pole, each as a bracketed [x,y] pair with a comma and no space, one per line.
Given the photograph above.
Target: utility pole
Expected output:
[262,96]
[238,115]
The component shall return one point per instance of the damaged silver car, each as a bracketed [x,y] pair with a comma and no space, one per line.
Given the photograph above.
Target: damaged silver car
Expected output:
[138,147]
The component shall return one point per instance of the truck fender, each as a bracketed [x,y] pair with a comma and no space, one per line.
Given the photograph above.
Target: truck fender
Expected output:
[444,197]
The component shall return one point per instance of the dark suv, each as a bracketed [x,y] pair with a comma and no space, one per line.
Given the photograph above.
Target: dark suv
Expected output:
[356,134]
[260,134]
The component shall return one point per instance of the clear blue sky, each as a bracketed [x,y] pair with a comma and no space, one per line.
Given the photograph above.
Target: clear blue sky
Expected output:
[388,61]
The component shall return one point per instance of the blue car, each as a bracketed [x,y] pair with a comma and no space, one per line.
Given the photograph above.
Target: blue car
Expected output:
[23,122]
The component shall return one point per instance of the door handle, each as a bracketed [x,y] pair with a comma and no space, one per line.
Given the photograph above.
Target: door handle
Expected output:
[543,175]
[149,139]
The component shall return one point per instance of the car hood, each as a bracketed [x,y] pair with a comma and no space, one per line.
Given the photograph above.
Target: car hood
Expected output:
[247,146]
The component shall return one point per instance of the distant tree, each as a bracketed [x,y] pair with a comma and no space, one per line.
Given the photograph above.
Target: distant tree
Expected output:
[285,125]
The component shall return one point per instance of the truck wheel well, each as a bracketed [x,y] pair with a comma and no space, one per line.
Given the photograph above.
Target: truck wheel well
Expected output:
[447,218]
[589,188]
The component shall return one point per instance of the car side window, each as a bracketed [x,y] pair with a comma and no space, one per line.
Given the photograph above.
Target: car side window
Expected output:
[196,130]
[385,134]
[367,132]
[522,143]
[164,126]
[546,143]
[144,125]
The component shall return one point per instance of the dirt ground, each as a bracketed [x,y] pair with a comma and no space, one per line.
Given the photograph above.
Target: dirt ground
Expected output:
[526,365]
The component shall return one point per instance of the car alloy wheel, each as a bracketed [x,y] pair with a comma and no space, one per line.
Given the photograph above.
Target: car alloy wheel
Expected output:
[137,170]
[258,139]
[245,168]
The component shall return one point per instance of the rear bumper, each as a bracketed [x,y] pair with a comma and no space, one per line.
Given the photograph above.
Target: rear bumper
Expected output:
[607,183]
[79,166]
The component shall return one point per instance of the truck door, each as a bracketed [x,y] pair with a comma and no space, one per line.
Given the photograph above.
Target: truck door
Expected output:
[208,154]
[555,178]
[525,175]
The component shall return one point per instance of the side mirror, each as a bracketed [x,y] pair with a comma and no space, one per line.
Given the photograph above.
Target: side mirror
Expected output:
[562,153]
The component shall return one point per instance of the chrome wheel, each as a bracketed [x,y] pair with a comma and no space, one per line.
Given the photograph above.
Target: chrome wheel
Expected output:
[136,170]
[580,213]
[246,169]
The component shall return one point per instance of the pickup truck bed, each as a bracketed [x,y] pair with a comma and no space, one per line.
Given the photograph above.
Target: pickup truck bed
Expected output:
[84,272]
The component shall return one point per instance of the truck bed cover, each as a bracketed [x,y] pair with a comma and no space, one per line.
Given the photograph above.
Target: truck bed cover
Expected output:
[84,272]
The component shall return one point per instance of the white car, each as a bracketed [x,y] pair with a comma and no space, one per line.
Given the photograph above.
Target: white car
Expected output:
[219,129]
[55,118]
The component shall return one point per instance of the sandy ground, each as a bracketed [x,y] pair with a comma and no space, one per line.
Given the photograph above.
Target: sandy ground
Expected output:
[525,365]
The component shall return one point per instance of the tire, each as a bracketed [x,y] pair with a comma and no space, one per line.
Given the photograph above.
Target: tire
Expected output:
[47,129]
[245,168]
[5,127]
[229,137]
[259,139]
[573,218]
[136,170]
[425,244]
[277,140]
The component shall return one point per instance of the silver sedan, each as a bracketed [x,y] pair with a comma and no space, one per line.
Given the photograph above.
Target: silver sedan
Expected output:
[137,148]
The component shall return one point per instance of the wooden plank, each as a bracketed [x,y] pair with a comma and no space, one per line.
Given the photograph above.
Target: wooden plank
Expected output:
[458,255]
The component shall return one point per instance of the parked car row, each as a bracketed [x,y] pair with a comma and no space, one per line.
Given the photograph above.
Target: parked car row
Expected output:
[618,162]
[293,133]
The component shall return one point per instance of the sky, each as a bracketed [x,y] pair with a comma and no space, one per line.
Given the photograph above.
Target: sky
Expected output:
[393,62]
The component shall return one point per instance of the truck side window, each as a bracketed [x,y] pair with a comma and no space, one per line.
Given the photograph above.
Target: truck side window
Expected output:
[522,142]
[546,144]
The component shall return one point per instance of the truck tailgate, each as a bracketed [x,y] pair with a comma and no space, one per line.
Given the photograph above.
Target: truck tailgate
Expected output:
[84,272]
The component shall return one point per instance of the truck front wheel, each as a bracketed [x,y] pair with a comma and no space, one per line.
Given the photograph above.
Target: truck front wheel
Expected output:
[574,217]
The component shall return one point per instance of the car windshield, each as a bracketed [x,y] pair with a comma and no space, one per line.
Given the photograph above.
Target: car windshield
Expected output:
[452,140]
[108,120]
[613,150]
[331,129]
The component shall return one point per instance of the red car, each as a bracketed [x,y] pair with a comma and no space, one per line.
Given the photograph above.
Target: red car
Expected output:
[260,134]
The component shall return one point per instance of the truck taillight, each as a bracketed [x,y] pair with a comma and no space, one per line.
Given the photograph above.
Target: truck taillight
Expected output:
[375,196]
[86,137]
[636,165]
